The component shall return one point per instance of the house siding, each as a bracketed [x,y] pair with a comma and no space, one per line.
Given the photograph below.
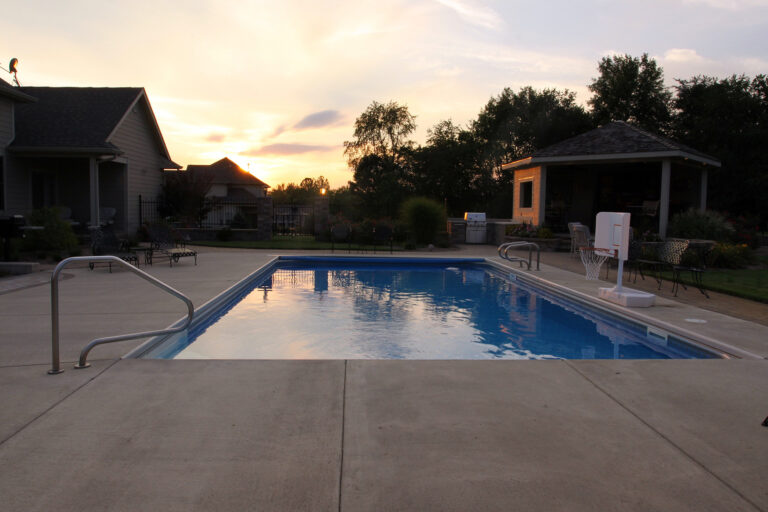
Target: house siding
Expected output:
[144,161]
[6,136]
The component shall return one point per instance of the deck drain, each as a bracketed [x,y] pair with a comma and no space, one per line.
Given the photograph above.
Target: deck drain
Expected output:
[695,320]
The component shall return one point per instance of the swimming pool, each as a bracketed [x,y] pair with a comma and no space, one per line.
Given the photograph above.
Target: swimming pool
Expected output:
[399,308]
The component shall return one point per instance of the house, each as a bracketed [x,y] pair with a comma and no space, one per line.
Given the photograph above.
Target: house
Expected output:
[236,197]
[80,148]
[617,167]
[229,181]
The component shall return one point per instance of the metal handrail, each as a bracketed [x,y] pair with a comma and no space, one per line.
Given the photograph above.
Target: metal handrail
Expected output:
[56,365]
[509,245]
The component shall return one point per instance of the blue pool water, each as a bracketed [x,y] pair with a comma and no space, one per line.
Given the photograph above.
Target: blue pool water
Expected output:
[398,309]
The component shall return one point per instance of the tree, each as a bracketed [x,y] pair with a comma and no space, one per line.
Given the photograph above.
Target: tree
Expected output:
[514,125]
[631,89]
[303,193]
[728,119]
[183,196]
[381,156]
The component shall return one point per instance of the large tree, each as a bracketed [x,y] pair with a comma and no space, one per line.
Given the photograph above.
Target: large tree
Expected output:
[728,118]
[381,156]
[513,125]
[631,89]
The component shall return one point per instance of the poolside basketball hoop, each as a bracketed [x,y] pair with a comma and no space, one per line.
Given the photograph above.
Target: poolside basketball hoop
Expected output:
[593,259]
[612,232]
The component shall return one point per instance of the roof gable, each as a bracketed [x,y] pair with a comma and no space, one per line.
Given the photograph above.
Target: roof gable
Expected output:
[618,139]
[72,117]
[226,171]
[14,93]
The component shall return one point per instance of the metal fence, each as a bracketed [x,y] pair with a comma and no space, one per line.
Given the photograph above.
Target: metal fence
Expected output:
[216,214]
[293,220]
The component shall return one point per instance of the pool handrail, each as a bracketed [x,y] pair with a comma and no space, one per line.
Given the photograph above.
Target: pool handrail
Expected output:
[509,245]
[56,364]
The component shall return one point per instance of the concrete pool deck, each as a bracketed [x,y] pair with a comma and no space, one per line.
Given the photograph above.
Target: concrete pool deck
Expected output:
[364,435]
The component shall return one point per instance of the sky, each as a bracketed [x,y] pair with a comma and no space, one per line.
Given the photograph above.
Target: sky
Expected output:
[277,85]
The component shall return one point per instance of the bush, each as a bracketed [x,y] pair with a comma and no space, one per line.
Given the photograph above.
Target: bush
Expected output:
[544,233]
[424,219]
[224,235]
[56,237]
[725,255]
[706,225]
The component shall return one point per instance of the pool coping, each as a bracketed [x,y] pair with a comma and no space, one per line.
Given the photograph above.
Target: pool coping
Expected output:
[654,325]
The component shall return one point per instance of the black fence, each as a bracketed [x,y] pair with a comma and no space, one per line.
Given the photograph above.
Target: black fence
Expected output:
[293,220]
[218,214]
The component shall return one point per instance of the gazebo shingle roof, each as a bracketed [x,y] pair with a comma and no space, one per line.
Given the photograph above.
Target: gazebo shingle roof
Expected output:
[618,138]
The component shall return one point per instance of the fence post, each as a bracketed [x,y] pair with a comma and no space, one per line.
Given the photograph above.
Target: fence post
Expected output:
[141,219]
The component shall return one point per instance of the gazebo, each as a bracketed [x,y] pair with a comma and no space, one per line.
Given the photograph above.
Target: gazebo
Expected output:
[617,167]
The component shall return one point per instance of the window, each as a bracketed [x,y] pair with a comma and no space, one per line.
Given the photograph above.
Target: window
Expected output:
[526,194]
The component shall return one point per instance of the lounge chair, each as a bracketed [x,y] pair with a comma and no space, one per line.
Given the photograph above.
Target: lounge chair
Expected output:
[165,243]
[104,242]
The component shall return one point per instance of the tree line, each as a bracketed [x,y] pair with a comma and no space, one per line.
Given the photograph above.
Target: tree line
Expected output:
[460,166]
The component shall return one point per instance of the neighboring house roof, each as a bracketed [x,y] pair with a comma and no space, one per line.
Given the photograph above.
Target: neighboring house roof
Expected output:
[14,93]
[78,120]
[237,194]
[225,171]
[615,141]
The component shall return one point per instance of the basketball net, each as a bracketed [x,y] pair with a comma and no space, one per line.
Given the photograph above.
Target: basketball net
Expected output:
[592,261]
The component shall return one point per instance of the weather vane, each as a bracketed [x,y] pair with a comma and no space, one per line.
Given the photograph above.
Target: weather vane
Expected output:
[12,70]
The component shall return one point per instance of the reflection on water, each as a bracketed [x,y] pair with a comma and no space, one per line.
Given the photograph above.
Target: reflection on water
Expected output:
[421,313]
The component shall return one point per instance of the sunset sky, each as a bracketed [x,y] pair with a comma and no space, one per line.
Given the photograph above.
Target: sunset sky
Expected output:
[276,85]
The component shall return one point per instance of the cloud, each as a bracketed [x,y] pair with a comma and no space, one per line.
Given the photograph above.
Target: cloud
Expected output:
[475,14]
[215,137]
[319,119]
[289,149]
[683,55]
[731,5]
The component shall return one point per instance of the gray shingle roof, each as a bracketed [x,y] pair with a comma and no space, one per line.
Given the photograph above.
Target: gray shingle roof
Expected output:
[72,117]
[14,93]
[615,138]
[226,171]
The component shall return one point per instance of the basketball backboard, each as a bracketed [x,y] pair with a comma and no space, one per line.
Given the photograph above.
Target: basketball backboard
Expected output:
[612,234]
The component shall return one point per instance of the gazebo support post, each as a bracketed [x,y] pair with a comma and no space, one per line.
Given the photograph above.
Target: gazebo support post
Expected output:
[703,191]
[666,174]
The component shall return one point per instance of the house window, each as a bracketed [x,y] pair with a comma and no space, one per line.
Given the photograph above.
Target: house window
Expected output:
[526,194]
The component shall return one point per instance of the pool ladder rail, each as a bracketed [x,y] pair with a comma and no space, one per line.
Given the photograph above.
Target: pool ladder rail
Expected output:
[56,364]
[504,253]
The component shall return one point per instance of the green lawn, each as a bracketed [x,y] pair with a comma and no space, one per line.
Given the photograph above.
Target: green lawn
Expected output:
[746,283]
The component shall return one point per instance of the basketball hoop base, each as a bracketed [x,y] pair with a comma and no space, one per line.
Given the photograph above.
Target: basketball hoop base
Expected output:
[627,298]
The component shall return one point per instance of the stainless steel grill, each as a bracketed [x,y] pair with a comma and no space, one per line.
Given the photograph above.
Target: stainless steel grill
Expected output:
[476,227]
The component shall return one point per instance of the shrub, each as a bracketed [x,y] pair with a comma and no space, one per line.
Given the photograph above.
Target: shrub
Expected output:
[224,235]
[544,233]
[424,218]
[706,225]
[56,237]
[523,230]
[725,255]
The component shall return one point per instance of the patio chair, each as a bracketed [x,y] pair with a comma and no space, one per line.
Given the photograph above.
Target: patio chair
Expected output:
[670,256]
[341,233]
[104,242]
[164,242]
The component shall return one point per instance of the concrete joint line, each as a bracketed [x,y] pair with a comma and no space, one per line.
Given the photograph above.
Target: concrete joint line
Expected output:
[343,422]
[665,438]
[56,404]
